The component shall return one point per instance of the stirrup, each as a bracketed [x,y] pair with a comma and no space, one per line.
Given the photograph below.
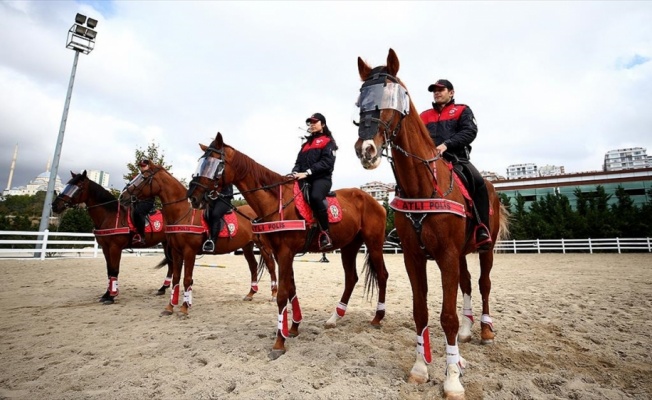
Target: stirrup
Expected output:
[137,239]
[209,246]
[482,243]
[325,242]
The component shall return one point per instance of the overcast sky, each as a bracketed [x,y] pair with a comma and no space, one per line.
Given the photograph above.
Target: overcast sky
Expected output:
[557,83]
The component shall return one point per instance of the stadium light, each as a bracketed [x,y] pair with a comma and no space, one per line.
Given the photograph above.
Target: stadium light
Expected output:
[81,39]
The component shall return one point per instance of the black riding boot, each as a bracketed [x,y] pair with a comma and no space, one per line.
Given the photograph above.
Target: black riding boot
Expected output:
[325,242]
[481,203]
[139,222]
[209,244]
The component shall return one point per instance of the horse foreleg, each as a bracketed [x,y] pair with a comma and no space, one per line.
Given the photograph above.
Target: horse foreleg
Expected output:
[486,323]
[177,264]
[415,265]
[112,255]
[189,265]
[466,323]
[450,278]
[286,279]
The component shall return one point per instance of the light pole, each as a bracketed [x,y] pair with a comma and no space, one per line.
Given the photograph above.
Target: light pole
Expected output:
[81,39]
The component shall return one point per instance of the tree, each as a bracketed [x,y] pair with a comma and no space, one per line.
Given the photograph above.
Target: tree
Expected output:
[76,220]
[389,222]
[152,153]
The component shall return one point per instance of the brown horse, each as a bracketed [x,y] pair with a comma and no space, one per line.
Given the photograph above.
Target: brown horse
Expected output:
[103,209]
[271,195]
[432,218]
[185,234]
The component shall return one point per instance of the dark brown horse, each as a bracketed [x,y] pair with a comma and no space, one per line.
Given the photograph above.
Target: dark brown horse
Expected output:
[185,234]
[432,218]
[272,197]
[111,228]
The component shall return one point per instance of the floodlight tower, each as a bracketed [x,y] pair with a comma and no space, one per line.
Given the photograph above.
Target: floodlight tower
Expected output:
[81,39]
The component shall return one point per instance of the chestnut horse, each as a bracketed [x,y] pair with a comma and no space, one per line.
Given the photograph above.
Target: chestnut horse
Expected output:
[272,197]
[106,215]
[432,220]
[185,234]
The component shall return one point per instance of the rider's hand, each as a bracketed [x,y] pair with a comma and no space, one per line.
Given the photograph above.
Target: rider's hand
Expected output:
[299,175]
[441,149]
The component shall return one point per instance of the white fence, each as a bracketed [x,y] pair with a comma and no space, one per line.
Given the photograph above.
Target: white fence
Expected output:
[59,244]
[56,244]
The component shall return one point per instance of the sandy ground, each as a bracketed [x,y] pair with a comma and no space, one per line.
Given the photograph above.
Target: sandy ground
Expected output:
[569,327]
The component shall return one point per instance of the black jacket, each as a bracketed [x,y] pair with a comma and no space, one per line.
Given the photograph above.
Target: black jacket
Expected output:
[317,156]
[454,125]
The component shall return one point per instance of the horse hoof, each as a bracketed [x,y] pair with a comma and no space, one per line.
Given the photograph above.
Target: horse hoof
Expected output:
[419,380]
[487,341]
[376,324]
[247,298]
[463,339]
[275,354]
[166,313]
[454,396]
[108,302]
[329,325]
[183,315]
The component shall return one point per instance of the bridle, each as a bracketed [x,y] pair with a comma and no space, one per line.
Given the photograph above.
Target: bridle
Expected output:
[212,168]
[396,98]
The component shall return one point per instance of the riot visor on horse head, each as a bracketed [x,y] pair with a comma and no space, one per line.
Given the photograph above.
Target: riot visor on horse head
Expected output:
[209,169]
[380,92]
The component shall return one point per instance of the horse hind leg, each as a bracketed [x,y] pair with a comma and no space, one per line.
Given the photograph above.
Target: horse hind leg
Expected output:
[349,254]
[248,252]
[487,332]
[466,322]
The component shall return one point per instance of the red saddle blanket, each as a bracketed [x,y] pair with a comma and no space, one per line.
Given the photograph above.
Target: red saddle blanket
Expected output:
[334,208]
[229,227]
[153,222]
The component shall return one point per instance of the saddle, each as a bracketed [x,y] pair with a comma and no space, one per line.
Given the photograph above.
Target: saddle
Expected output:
[301,196]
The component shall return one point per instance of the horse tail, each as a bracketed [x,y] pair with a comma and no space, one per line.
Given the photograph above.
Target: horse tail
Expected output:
[167,260]
[503,230]
[371,277]
[261,267]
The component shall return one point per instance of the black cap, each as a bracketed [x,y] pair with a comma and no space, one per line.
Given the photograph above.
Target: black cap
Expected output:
[441,83]
[316,117]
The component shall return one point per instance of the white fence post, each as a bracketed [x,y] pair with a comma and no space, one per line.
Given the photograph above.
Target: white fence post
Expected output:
[96,248]
[590,246]
[538,246]
[618,244]
[563,247]
[44,245]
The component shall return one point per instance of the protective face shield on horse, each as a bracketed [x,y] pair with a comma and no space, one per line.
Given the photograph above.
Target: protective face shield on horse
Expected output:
[209,167]
[375,95]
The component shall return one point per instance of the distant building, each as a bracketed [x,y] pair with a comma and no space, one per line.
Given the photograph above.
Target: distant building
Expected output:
[637,183]
[38,184]
[551,170]
[378,190]
[519,171]
[621,159]
[491,176]
[100,177]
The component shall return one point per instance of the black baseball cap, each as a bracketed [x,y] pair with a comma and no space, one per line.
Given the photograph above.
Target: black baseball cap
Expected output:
[441,83]
[316,117]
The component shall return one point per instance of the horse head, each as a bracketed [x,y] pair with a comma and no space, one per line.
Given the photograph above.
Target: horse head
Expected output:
[75,192]
[383,103]
[142,185]
[210,175]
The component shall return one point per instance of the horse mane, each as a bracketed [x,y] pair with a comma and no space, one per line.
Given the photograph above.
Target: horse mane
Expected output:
[249,167]
[95,190]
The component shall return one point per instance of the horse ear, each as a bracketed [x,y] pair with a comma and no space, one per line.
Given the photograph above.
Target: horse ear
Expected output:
[392,63]
[363,69]
[219,141]
[73,174]
[203,147]
[84,173]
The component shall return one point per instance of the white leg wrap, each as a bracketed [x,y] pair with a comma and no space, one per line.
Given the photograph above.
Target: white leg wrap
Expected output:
[380,307]
[187,297]
[452,355]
